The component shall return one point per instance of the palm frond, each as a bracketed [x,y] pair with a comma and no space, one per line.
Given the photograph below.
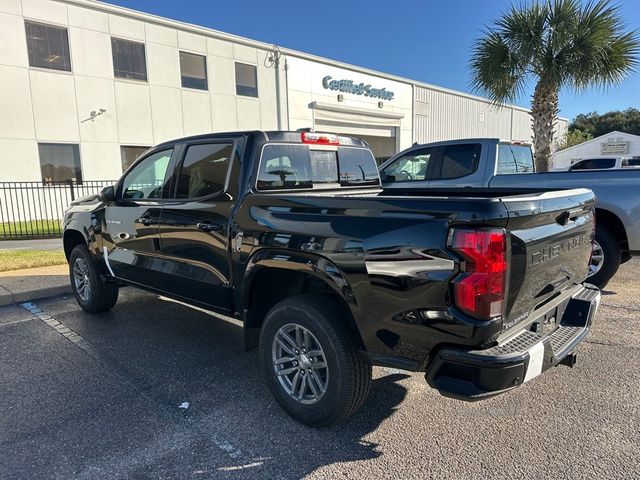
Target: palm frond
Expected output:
[497,72]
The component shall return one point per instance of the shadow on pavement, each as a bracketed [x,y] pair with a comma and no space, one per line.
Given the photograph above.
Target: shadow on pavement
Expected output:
[233,428]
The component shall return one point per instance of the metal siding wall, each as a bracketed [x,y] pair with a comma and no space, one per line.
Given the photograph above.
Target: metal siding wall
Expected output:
[420,131]
[443,116]
[522,126]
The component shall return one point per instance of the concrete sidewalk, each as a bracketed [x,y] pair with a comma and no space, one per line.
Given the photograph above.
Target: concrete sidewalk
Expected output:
[41,244]
[18,286]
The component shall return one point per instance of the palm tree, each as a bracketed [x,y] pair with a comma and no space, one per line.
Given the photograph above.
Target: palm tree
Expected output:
[559,43]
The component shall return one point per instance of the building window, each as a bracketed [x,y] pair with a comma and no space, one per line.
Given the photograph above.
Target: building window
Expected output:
[193,70]
[60,162]
[128,155]
[48,46]
[246,80]
[128,59]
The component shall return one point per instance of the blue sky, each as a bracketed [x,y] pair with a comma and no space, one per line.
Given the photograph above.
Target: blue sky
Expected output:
[424,40]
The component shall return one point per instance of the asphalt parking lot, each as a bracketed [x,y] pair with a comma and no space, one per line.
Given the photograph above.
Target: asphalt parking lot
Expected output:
[100,399]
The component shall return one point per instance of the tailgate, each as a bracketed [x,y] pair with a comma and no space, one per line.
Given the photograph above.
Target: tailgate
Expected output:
[551,236]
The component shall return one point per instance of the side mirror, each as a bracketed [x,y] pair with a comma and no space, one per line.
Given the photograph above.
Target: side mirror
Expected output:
[107,194]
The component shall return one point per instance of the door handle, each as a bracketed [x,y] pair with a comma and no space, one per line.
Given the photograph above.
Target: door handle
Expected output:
[209,227]
[146,221]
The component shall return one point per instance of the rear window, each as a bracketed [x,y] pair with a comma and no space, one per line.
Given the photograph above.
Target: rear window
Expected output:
[514,159]
[298,167]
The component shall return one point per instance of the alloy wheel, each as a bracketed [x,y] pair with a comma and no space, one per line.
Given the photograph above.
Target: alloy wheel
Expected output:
[597,259]
[81,279]
[300,363]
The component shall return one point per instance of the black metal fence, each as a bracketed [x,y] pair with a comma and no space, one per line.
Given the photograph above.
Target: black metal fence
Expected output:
[31,210]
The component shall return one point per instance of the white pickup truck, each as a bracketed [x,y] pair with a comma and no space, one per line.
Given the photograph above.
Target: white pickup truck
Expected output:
[494,164]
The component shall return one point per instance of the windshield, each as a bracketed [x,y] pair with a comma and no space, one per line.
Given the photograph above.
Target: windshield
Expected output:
[294,166]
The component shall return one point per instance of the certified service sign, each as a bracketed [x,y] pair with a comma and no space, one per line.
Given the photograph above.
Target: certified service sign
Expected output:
[348,86]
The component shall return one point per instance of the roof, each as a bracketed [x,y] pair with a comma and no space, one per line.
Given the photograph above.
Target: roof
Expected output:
[285,136]
[155,19]
[598,139]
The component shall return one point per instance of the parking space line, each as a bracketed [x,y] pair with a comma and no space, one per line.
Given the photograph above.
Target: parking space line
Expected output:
[137,384]
[17,321]
[111,365]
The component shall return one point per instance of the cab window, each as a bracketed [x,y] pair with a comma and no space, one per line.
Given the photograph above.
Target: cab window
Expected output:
[410,167]
[204,170]
[291,166]
[147,178]
[514,159]
[459,161]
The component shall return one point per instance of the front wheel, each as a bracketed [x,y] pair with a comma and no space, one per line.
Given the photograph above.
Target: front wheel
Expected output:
[311,362]
[93,292]
[605,258]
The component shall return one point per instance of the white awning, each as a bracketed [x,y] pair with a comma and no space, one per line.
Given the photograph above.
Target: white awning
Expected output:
[326,113]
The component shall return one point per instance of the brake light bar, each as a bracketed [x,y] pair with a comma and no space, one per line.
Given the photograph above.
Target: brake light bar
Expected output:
[320,138]
[480,290]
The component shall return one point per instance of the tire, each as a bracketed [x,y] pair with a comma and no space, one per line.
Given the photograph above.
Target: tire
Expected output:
[346,378]
[611,258]
[93,292]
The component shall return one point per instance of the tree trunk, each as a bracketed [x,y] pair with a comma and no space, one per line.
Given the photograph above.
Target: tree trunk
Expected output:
[544,112]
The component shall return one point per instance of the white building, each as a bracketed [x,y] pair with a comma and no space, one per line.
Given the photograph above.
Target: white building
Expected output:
[614,144]
[86,86]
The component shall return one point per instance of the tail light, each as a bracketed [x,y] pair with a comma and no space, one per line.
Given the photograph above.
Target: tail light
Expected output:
[320,138]
[480,290]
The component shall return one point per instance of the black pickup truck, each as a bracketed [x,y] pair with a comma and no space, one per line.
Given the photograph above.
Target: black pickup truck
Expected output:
[291,233]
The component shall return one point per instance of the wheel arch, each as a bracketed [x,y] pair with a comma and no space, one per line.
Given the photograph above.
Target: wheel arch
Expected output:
[612,223]
[272,276]
[70,239]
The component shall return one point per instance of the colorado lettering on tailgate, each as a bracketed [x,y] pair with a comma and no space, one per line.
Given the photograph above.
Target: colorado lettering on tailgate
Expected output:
[553,251]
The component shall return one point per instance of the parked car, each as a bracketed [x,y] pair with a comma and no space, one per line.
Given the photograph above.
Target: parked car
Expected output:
[291,233]
[496,164]
[605,163]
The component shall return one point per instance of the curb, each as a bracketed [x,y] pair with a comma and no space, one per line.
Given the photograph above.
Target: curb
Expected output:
[9,298]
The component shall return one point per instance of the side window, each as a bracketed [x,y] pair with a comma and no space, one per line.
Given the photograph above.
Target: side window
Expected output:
[410,167]
[595,164]
[204,169]
[147,179]
[514,159]
[459,160]
[581,165]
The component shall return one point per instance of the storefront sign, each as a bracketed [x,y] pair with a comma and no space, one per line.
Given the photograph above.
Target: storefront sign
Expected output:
[348,86]
[614,148]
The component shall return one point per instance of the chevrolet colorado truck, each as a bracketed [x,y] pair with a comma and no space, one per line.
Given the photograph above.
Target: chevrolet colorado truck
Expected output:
[493,163]
[291,233]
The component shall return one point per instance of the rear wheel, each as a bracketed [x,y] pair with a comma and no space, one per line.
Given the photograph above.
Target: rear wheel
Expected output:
[311,363]
[605,259]
[92,291]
